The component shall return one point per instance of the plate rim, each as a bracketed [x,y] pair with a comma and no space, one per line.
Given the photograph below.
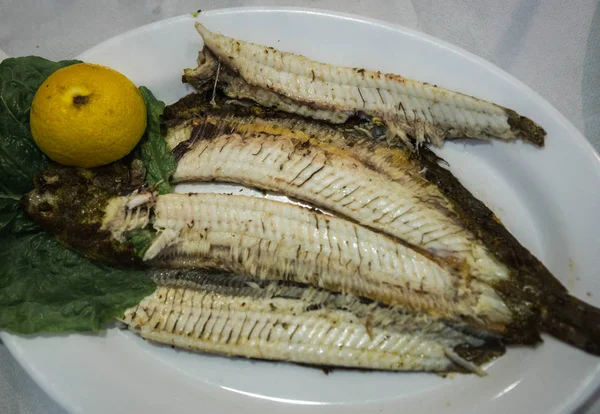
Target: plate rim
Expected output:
[586,394]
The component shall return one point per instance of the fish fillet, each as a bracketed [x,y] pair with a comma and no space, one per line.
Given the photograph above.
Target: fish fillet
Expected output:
[231,315]
[296,84]
[269,239]
[317,166]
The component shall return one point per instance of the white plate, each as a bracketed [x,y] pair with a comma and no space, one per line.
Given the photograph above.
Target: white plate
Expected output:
[547,197]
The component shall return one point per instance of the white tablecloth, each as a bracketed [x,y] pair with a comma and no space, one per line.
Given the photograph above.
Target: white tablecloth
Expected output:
[551,45]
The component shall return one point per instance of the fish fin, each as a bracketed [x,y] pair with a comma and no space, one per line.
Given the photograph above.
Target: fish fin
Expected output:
[573,321]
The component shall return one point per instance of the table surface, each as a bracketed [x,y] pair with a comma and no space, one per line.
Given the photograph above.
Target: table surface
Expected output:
[551,45]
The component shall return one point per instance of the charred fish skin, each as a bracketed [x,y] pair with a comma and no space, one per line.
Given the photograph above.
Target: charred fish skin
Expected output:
[297,84]
[532,291]
[231,315]
[267,239]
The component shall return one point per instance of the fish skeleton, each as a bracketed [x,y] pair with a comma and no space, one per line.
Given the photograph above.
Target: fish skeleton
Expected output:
[296,84]
[226,314]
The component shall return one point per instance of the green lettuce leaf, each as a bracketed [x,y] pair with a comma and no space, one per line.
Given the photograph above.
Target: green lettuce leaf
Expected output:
[20,159]
[45,286]
[160,164]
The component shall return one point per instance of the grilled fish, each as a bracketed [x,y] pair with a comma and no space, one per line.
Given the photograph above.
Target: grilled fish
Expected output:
[266,149]
[232,315]
[217,232]
[412,111]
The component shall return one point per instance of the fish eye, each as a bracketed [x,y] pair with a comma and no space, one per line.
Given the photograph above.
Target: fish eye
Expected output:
[45,207]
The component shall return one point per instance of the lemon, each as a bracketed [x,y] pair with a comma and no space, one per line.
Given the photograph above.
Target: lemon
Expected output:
[87,115]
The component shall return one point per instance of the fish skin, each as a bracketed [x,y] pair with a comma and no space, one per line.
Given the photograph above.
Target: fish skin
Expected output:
[272,240]
[231,315]
[294,83]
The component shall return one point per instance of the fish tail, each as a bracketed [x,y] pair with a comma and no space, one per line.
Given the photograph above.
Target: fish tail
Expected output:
[525,128]
[573,321]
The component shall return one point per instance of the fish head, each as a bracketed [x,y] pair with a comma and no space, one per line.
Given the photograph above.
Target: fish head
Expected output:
[70,203]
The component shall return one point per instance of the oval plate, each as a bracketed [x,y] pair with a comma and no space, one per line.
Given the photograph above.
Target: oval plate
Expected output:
[547,197]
